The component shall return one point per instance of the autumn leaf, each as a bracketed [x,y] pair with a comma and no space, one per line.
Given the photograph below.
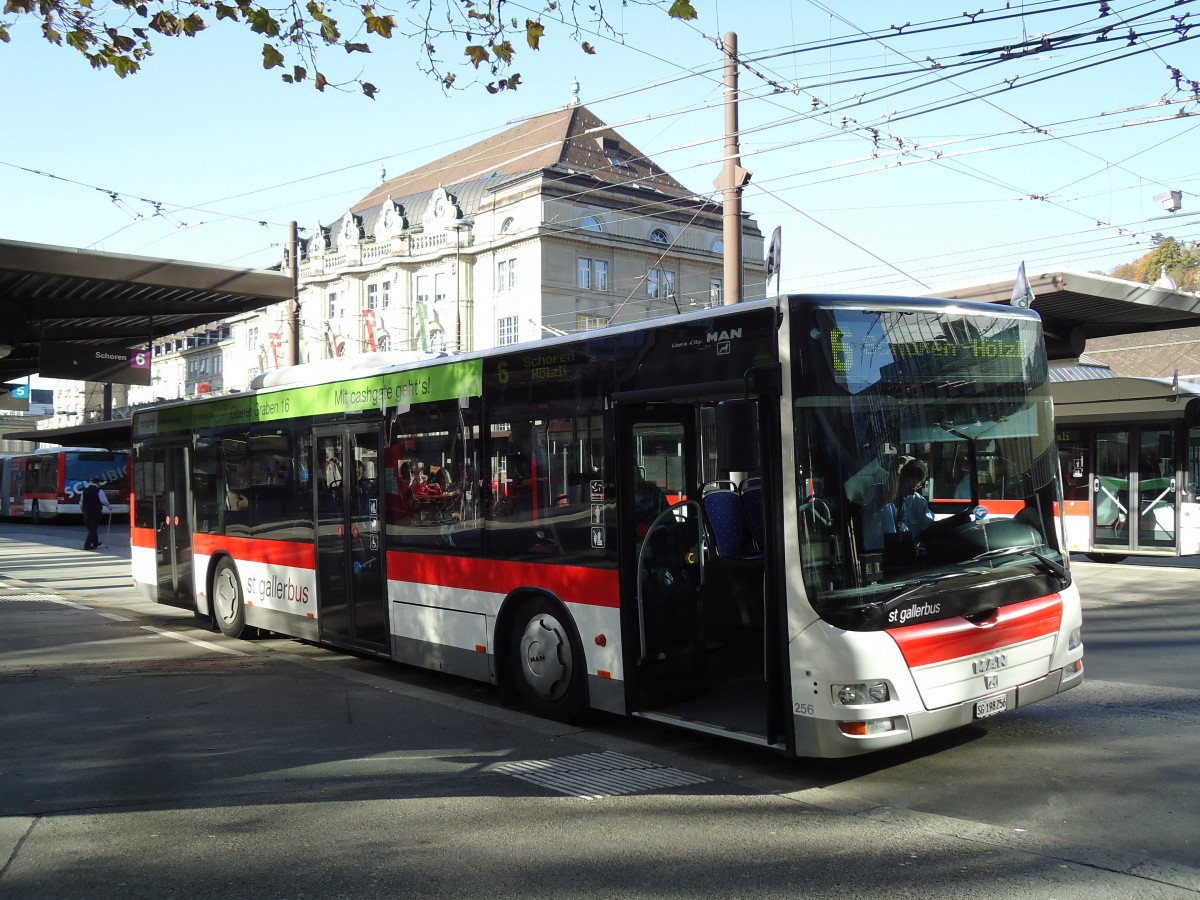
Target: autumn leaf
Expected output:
[533,33]
[272,58]
[380,25]
[165,22]
[682,9]
[477,54]
[262,22]
[123,66]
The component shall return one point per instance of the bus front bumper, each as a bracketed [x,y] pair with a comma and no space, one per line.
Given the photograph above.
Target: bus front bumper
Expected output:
[825,738]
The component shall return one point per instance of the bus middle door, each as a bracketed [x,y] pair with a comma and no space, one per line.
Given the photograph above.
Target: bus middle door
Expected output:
[351,576]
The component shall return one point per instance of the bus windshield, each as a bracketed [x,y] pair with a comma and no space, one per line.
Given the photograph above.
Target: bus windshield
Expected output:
[926,464]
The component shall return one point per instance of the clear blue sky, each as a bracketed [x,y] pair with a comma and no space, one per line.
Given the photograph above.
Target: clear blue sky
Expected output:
[1046,159]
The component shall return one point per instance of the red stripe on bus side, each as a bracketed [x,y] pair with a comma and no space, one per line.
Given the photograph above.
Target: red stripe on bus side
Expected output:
[142,537]
[994,507]
[296,554]
[572,584]
[935,642]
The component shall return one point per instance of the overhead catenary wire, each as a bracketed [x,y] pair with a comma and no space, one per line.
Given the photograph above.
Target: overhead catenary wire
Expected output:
[649,208]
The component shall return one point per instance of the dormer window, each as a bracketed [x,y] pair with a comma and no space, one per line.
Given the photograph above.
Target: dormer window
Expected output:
[317,244]
[590,223]
[351,228]
[659,236]
[442,209]
[391,220]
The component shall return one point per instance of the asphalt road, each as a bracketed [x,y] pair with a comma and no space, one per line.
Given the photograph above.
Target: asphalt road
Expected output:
[142,757]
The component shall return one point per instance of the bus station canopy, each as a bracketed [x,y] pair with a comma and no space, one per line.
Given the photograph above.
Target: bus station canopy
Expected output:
[57,296]
[1077,306]
[59,299]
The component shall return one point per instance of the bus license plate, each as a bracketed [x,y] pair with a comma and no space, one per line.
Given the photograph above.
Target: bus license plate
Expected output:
[990,707]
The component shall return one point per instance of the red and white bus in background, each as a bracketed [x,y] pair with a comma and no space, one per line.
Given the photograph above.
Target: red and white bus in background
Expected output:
[42,484]
[671,520]
[1131,466]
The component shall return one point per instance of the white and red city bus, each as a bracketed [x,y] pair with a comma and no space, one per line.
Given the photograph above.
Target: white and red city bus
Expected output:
[1130,452]
[42,484]
[669,520]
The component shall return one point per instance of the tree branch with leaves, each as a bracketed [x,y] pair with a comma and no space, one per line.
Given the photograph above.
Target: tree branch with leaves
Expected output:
[297,36]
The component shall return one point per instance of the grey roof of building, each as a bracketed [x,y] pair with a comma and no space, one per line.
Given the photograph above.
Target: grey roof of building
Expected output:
[568,144]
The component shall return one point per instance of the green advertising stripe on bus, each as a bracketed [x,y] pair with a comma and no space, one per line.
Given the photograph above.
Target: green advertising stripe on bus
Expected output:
[445,382]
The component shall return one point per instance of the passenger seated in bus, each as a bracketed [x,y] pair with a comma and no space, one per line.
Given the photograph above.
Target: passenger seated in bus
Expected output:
[400,502]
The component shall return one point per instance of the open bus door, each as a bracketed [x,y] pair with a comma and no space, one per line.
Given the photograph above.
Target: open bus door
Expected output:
[162,502]
[697,627]
[351,576]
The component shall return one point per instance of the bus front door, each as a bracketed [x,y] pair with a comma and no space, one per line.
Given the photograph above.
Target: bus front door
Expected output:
[161,495]
[699,618]
[351,575]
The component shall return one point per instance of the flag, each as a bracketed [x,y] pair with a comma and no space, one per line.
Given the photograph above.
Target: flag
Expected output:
[1022,294]
[773,253]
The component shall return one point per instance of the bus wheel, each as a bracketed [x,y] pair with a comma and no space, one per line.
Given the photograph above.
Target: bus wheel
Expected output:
[226,598]
[547,662]
[1106,557]
[36,512]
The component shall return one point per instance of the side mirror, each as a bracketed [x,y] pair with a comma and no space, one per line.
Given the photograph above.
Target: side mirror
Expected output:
[1191,413]
[737,436]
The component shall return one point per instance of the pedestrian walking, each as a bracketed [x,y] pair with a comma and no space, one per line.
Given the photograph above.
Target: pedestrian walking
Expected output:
[92,504]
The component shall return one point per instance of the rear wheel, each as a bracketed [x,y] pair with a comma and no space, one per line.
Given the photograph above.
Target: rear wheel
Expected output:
[227,601]
[547,661]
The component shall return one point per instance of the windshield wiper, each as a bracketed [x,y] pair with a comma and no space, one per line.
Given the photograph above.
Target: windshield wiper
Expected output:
[1051,565]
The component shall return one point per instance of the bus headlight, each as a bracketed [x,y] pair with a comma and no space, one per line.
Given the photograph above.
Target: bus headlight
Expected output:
[1075,639]
[861,694]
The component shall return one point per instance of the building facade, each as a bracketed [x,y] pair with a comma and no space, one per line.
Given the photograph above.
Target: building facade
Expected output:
[555,226]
